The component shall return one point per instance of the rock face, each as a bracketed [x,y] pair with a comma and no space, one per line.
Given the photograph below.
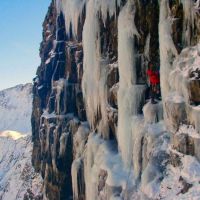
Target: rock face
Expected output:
[93,135]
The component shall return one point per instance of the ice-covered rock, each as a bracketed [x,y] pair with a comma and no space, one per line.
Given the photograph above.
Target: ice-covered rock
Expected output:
[91,138]
[185,76]
[175,115]
[186,140]
[153,113]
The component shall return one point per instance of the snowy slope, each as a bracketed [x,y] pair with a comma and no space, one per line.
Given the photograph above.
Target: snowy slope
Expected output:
[17,177]
[15,108]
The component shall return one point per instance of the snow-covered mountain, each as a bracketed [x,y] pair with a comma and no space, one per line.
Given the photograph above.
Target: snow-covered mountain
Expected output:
[15,108]
[17,177]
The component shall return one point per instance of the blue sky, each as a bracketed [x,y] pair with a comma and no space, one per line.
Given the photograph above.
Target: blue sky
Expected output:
[20,37]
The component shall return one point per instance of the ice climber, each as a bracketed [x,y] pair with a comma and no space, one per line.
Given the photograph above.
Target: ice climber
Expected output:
[154,80]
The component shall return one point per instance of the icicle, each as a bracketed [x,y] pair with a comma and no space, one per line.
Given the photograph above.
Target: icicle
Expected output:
[106,7]
[77,178]
[72,10]
[58,86]
[77,170]
[58,6]
[80,139]
[103,127]
[137,134]
[145,57]
[90,171]
[63,143]
[95,71]
[167,47]
[53,148]
[91,64]
[126,32]
[191,10]
[95,67]
[147,47]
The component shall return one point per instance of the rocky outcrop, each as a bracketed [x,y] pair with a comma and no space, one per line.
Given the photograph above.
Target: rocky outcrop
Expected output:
[182,110]
[95,133]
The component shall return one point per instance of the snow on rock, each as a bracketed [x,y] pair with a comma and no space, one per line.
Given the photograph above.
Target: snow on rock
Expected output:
[194,117]
[105,176]
[182,102]
[12,134]
[16,108]
[185,78]
[189,130]
[155,158]
[17,177]
[187,140]
[182,119]
[181,182]
[175,107]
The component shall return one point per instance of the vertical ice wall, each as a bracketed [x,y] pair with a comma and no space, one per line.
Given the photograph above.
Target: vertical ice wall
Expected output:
[92,76]
[129,94]
[167,48]
[96,162]
[95,66]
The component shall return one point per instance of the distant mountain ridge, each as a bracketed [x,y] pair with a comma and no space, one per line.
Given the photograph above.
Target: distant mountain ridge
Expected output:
[15,108]
[18,180]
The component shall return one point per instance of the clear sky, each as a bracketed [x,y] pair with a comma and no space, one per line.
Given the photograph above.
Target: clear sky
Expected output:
[20,37]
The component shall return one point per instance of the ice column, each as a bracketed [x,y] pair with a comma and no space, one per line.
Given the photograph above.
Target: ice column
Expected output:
[130,94]
[95,71]
[167,47]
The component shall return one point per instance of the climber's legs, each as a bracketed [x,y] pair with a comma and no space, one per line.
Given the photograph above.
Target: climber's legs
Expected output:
[153,93]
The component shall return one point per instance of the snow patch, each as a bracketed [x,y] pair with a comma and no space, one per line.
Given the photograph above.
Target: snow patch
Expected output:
[12,134]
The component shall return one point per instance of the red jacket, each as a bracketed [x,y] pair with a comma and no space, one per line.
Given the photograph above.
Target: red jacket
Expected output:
[153,76]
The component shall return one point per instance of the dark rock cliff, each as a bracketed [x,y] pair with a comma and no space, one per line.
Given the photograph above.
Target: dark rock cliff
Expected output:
[60,112]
